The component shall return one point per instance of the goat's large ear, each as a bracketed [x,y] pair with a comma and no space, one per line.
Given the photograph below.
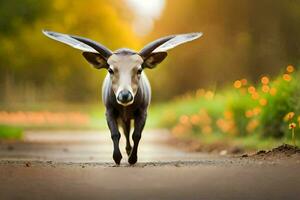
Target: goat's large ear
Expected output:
[67,39]
[177,40]
[95,59]
[81,43]
[156,51]
[166,43]
[154,59]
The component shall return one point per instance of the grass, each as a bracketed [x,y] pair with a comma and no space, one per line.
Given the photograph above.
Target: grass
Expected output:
[8,132]
[252,142]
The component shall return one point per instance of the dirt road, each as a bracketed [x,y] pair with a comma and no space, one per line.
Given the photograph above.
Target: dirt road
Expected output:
[78,165]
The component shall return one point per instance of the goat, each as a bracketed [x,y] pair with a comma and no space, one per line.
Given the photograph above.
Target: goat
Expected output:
[126,91]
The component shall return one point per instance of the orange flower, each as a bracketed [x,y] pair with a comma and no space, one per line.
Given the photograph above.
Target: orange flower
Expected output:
[265,80]
[249,113]
[228,114]
[237,84]
[256,110]
[273,91]
[263,102]
[200,93]
[209,95]
[255,96]
[265,88]
[252,125]
[287,77]
[292,125]
[251,89]
[207,129]
[290,68]
[244,81]
[179,130]
[195,119]
[184,119]
[289,116]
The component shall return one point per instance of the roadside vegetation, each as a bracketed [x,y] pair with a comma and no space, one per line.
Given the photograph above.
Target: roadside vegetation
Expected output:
[253,115]
[250,115]
[54,116]
[8,132]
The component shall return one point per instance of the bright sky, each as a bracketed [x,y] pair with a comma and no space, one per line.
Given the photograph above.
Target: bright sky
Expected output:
[146,11]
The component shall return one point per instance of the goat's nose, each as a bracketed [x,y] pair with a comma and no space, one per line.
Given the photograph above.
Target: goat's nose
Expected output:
[125,96]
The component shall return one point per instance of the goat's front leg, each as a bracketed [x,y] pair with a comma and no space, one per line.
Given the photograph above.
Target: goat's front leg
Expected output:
[139,123]
[126,128]
[115,135]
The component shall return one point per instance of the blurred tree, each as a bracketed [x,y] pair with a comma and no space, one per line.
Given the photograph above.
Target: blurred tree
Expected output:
[35,66]
[15,14]
[241,39]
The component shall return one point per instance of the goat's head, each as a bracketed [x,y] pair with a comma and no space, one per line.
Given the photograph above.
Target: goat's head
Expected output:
[124,65]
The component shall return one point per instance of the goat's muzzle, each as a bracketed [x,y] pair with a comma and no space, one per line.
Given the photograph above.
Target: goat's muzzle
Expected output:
[125,97]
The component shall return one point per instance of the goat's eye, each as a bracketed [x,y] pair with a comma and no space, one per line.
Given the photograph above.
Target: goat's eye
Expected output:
[139,71]
[110,71]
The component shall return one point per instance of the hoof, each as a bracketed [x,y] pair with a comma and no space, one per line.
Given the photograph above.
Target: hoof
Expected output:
[117,156]
[132,159]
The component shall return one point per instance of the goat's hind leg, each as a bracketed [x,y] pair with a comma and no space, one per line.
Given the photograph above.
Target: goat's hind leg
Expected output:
[139,123]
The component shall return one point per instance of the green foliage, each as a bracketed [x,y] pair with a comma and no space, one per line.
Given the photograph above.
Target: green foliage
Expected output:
[36,69]
[8,132]
[188,105]
[287,100]
[241,39]
[239,104]
[264,111]
[15,14]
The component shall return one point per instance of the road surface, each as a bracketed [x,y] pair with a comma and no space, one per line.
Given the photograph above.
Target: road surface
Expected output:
[78,165]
